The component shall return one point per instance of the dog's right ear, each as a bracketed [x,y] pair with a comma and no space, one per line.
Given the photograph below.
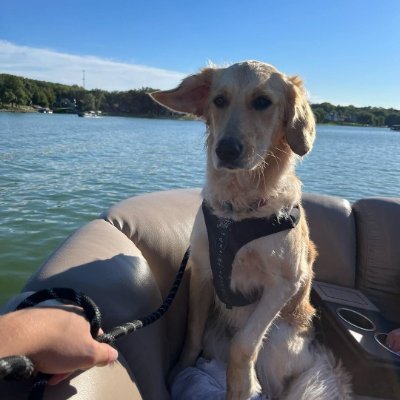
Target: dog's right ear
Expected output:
[190,96]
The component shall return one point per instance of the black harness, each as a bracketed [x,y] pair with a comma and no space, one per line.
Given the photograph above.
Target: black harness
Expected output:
[226,237]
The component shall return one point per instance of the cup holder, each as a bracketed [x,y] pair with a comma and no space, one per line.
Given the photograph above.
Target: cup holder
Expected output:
[356,319]
[381,339]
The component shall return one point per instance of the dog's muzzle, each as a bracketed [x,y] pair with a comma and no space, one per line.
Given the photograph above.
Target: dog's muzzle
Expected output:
[229,151]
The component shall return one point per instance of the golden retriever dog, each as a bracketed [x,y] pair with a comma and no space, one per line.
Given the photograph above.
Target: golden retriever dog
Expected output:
[254,313]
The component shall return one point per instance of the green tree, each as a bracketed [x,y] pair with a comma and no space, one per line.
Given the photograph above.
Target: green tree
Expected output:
[365,118]
[16,86]
[39,98]
[85,101]
[379,120]
[319,114]
[392,119]
[8,97]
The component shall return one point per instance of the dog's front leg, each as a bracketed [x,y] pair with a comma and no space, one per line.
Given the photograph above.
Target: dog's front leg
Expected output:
[200,299]
[241,376]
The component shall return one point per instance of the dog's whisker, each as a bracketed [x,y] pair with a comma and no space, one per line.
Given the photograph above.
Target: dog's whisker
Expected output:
[263,162]
[272,154]
[282,151]
[275,158]
[261,167]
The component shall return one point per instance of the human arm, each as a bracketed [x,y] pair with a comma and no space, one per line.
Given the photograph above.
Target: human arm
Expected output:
[56,340]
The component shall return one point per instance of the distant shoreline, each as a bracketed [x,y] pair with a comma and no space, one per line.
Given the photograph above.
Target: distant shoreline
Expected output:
[24,109]
[183,117]
[27,109]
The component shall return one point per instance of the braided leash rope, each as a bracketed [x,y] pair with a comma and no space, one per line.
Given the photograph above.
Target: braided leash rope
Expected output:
[18,367]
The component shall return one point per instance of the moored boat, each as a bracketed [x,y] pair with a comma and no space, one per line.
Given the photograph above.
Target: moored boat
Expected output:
[45,110]
[90,114]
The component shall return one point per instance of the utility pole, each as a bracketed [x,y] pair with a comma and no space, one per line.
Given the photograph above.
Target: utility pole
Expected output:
[83,79]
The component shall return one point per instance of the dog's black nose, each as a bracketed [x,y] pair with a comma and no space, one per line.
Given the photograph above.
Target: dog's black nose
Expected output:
[229,150]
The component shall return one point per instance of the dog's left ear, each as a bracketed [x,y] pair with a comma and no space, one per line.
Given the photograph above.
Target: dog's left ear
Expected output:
[190,96]
[300,122]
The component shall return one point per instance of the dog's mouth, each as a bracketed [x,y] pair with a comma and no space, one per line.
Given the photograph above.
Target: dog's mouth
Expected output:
[247,162]
[229,166]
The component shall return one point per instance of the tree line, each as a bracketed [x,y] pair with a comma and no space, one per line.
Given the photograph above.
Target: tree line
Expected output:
[372,116]
[16,91]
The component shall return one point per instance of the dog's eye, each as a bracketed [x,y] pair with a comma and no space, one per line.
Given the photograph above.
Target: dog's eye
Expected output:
[261,103]
[220,102]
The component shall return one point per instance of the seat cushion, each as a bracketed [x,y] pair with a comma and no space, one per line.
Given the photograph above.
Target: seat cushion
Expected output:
[378,233]
[160,224]
[103,263]
[332,229]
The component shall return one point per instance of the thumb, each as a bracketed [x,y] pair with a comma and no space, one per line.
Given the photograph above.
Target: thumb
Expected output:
[104,354]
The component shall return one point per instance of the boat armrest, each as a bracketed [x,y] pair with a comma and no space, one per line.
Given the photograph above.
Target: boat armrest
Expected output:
[103,263]
[378,263]
[332,229]
[160,224]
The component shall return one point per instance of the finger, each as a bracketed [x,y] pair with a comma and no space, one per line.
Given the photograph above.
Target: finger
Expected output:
[393,340]
[105,354]
[389,340]
[396,344]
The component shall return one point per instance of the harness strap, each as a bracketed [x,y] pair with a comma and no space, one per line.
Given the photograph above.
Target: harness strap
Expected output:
[226,237]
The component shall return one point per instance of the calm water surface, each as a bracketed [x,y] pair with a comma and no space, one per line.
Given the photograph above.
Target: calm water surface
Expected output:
[59,171]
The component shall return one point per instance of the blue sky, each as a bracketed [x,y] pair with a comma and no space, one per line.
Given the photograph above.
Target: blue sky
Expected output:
[347,51]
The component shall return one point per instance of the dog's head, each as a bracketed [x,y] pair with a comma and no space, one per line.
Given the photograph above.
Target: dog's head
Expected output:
[250,108]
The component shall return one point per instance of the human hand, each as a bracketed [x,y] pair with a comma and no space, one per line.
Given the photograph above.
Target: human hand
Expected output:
[393,340]
[56,340]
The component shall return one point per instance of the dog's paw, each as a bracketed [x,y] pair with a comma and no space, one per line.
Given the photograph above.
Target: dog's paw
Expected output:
[241,395]
[242,384]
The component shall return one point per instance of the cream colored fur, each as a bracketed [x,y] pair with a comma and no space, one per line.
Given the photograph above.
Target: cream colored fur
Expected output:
[268,345]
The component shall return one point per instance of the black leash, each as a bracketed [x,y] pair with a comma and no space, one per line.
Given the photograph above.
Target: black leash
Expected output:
[17,367]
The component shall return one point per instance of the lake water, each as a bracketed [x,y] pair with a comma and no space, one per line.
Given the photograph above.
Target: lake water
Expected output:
[59,171]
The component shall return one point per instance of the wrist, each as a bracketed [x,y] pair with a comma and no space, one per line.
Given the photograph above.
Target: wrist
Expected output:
[21,332]
[12,334]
